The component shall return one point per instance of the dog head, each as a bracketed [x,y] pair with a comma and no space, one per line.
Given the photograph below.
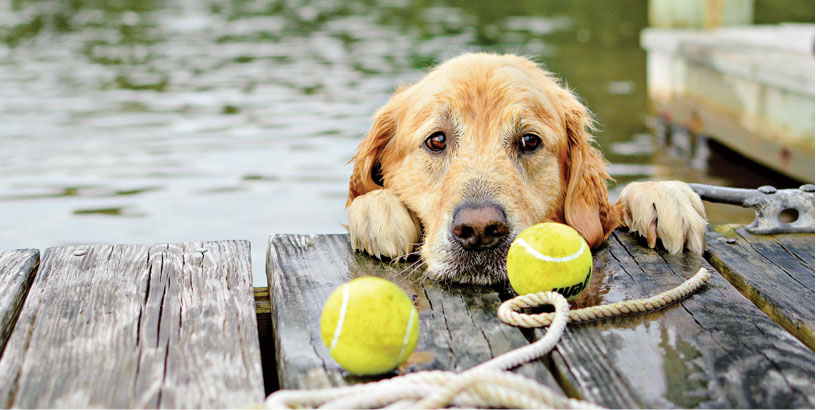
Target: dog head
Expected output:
[479,149]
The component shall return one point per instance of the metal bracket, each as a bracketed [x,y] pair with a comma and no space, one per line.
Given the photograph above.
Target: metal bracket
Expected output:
[769,204]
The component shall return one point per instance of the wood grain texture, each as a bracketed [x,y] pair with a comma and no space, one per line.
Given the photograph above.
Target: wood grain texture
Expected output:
[458,324]
[776,272]
[17,270]
[137,326]
[713,349]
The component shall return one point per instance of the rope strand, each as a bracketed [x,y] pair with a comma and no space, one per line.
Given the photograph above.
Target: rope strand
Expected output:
[508,311]
[489,384]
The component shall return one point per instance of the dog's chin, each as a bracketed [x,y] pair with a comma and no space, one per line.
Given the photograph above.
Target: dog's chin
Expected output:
[482,267]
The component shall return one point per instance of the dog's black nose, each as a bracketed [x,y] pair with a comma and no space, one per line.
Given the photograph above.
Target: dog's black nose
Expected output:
[479,226]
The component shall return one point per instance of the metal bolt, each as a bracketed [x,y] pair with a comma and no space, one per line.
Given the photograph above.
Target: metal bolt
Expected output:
[731,241]
[80,252]
[766,189]
[807,188]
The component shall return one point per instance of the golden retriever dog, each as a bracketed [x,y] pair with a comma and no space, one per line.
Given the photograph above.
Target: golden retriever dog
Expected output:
[482,147]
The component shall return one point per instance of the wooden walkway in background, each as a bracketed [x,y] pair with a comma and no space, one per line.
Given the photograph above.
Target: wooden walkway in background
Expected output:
[176,325]
[750,88]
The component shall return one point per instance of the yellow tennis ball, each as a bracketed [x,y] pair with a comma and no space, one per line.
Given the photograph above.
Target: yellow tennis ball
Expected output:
[369,325]
[549,256]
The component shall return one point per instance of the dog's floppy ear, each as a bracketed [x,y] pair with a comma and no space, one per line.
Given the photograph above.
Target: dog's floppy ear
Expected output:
[586,206]
[367,173]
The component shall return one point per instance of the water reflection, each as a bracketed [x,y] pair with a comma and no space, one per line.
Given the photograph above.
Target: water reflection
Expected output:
[147,121]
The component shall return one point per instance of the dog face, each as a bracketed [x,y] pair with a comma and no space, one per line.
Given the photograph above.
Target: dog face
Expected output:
[481,148]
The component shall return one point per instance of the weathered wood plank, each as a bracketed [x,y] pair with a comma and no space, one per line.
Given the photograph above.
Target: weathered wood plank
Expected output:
[17,270]
[170,325]
[713,349]
[458,324]
[776,272]
[800,246]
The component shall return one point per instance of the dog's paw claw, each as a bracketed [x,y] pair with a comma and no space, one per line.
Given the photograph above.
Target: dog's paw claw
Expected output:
[665,210]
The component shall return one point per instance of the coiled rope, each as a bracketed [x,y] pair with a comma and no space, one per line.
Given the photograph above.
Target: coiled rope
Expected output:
[489,384]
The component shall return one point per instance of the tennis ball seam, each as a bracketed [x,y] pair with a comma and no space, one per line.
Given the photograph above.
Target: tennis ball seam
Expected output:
[405,337]
[539,255]
[341,319]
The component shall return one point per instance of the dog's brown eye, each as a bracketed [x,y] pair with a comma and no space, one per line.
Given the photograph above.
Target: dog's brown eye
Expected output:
[529,142]
[436,142]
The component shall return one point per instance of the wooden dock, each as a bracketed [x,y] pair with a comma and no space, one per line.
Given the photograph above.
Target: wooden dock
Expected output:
[749,87]
[176,325]
[121,326]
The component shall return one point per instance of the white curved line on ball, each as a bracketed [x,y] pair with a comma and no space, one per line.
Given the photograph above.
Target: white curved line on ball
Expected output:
[546,258]
[407,333]
[343,308]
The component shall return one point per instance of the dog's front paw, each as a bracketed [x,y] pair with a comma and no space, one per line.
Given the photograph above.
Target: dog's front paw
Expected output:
[381,225]
[668,210]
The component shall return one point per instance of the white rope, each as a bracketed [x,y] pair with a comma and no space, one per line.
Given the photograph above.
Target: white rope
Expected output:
[489,384]
[508,311]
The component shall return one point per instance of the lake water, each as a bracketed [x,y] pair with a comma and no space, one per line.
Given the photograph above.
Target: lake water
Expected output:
[154,121]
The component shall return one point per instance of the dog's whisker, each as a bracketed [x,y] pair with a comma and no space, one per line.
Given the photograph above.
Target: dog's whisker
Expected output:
[413,265]
[425,276]
[419,265]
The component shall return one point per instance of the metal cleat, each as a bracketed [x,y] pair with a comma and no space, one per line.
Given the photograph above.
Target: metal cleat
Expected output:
[770,204]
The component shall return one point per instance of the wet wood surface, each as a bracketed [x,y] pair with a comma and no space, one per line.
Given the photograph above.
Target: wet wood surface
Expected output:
[176,325]
[776,272]
[119,326]
[713,349]
[458,325]
[17,270]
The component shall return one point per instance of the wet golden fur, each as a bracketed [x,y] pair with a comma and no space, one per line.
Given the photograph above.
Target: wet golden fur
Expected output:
[402,195]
